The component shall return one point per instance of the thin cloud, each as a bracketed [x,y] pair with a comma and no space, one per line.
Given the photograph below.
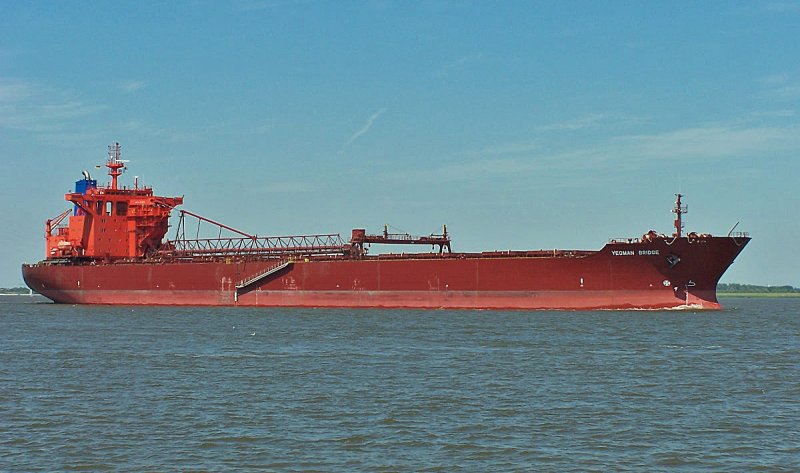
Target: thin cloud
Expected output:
[260,5]
[772,8]
[131,86]
[286,187]
[584,121]
[775,79]
[177,135]
[590,120]
[781,86]
[712,142]
[8,52]
[785,113]
[364,129]
[263,129]
[708,143]
[506,149]
[474,170]
[30,107]
[461,62]
[12,90]
[783,7]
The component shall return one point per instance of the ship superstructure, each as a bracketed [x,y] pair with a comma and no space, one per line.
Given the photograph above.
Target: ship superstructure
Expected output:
[109,222]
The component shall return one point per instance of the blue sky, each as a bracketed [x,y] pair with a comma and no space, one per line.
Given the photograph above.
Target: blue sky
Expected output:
[521,125]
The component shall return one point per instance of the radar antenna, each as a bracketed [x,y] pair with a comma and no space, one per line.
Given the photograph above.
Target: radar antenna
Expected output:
[114,163]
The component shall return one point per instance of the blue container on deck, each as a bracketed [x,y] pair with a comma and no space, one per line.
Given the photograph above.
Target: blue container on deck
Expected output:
[80,188]
[84,184]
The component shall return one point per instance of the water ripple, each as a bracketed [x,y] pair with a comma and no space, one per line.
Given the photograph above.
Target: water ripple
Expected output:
[191,389]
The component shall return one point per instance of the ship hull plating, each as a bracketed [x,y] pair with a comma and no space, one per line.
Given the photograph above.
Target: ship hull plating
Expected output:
[666,273]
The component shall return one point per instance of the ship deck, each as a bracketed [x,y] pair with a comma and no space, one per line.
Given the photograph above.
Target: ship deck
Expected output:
[326,257]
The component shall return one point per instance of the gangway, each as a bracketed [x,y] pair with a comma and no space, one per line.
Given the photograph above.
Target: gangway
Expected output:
[261,276]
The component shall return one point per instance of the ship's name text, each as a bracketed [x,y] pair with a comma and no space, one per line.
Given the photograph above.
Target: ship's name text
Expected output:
[631,252]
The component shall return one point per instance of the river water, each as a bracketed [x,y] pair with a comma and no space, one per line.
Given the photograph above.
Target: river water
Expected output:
[231,389]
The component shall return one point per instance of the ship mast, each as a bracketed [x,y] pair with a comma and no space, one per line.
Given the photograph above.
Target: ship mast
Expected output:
[114,163]
[679,210]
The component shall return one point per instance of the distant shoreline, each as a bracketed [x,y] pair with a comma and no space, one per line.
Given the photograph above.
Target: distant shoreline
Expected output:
[753,290]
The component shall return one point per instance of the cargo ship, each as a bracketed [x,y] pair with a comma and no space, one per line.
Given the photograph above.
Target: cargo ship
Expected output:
[111,247]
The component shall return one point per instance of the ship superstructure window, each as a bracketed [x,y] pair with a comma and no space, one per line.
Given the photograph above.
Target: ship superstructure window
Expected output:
[109,206]
[122,209]
[99,210]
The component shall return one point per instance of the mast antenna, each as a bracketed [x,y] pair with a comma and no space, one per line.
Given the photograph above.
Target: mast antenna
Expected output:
[114,163]
[679,210]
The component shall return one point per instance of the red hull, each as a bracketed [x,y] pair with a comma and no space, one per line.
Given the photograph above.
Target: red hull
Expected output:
[649,275]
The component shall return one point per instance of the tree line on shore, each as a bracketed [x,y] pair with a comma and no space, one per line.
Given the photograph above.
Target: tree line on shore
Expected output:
[735,288]
[15,290]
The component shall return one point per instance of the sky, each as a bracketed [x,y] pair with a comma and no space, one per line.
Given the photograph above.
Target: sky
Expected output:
[520,125]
